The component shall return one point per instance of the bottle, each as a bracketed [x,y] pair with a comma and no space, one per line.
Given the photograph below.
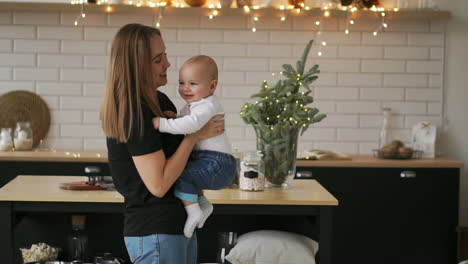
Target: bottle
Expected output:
[6,143]
[226,242]
[252,172]
[384,131]
[78,240]
[23,137]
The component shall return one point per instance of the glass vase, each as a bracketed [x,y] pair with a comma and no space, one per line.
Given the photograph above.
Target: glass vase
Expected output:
[278,144]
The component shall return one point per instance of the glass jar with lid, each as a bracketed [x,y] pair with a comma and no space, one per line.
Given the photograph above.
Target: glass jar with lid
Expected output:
[6,142]
[252,172]
[23,138]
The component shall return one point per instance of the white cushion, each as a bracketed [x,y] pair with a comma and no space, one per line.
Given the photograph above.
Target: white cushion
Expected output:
[273,247]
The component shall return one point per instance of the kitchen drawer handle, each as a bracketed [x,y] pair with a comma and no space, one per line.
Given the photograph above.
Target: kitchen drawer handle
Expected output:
[92,170]
[304,175]
[408,174]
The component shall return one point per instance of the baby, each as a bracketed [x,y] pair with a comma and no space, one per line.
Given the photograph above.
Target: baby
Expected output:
[211,165]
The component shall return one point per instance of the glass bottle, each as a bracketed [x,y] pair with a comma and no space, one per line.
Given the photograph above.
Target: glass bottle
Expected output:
[226,242]
[78,240]
[384,131]
[23,137]
[252,172]
[6,143]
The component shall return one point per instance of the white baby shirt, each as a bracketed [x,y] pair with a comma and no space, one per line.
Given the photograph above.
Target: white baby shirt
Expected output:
[193,117]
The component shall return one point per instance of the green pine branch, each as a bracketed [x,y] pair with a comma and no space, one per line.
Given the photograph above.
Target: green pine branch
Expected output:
[287,102]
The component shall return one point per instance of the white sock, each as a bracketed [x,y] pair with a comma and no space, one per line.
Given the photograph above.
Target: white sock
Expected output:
[207,209]
[194,215]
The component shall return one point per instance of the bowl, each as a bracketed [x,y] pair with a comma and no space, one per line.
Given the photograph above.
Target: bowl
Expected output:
[378,153]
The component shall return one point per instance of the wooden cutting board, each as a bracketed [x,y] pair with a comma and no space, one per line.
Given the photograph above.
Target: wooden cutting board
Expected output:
[80,186]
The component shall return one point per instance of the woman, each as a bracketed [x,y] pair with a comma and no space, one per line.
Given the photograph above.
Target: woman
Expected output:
[145,163]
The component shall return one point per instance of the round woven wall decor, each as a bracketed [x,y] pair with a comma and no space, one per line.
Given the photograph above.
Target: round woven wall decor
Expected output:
[25,106]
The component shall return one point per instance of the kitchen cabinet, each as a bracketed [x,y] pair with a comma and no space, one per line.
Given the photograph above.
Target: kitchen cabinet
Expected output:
[392,215]
[382,217]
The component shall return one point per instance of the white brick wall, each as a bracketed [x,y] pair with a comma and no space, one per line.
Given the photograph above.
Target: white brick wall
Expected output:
[401,68]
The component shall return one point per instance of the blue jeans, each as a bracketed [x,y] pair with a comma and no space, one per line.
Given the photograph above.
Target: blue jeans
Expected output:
[205,170]
[162,249]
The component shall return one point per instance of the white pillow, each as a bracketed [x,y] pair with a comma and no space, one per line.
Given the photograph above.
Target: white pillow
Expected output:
[273,247]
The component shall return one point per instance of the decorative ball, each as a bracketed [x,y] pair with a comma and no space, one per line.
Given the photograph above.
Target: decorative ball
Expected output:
[296,3]
[195,3]
[368,3]
[242,3]
[346,2]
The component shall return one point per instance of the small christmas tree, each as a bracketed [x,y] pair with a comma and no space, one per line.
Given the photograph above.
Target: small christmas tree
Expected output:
[278,115]
[284,103]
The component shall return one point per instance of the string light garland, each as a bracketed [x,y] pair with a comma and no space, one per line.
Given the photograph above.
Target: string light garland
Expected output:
[82,14]
[326,7]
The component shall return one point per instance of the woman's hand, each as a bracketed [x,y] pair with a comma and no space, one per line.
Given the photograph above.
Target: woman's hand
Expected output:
[214,127]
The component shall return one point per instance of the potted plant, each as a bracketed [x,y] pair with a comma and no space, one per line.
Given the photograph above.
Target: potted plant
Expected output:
[279,114]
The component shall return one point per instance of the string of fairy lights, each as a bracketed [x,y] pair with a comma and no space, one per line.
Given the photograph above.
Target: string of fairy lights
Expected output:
[214,10]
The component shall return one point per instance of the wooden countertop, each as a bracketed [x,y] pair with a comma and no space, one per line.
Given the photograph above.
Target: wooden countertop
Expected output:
[369,161]
[365,161]
[55,156]
[46,189]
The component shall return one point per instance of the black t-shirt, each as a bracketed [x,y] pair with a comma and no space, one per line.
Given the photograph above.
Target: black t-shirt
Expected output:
[145,214]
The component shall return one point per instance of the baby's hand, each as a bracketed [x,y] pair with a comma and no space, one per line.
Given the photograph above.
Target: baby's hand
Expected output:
[170,114]
[156,123]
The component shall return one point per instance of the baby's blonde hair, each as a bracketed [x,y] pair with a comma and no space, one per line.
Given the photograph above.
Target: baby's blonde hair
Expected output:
[206,61]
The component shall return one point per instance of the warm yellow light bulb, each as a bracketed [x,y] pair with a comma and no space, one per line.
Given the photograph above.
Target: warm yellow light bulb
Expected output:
[396,9]
[346,31]
[215,12]
[351,22]
[255,18]
[326,13]
[254,30]
[283,18]
[210,16]
[109,9]
[317,23]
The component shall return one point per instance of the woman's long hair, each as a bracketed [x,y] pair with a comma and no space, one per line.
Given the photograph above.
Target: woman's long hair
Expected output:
[130,82]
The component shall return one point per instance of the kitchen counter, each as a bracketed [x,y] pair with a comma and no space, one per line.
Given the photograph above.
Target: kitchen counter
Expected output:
[55,156]
[356,160]
[29,195]
[36,188]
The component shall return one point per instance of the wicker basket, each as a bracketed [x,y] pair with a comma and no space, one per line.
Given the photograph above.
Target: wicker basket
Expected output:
[25,106]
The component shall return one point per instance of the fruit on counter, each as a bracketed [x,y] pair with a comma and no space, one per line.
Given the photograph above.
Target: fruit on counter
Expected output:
[397,143]
[388,151]
[405,152]
[395,150]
